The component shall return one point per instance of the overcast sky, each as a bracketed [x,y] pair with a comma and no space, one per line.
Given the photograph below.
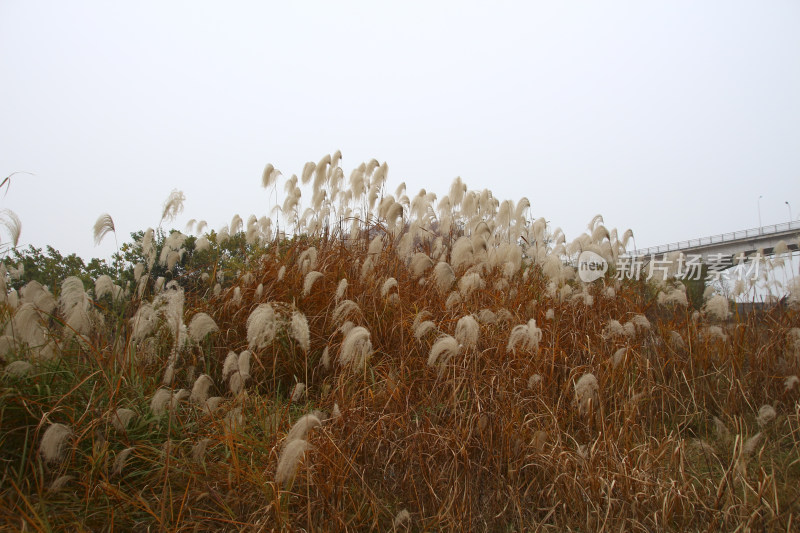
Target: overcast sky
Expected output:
[670,118]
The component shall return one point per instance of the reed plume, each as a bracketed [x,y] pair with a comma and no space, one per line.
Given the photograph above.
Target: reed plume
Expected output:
[54,442]
[356,348]
[102,227]
[289,461]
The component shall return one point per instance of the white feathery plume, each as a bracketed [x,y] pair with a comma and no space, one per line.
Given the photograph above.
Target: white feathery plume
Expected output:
[453,300]
[72,293]
[261,326]
[16,272]
[172,259]
[158,405]
[104,285]
[143,322]
[199,450]
[752,444]
[717,307]
[388,285]
[12,299]
[341,289]
[587,394]
[300,429]
[169,374]
[236,371]
[12,223]
[422,315]
[8,344]
[269,176]
[528,335]
[442,350]
[243,362]
[615,329]
[641,322]
[308,170]
[423,328]
[27,325]
[121,418]
[344,309]
[236,224]
[345,328]
[713,332]
[102,227]
[138,271]
[234,419]
[356,348]
[457,191]
[469,283]
[230,365]
[462,253]
[59,483]
[54,442]
[676,296]
[367,267]
[326,359]
[170,305]
[467,332]
[223,235]
[519,211]
[178,397]
[76,307]
[120,460]
[420,263]
[766,414]
[311,277]
[444,276]
[307,260]
[322,167]
[202,244]
[212,404]
[149,248]
[300,331]
[200,326]
[173,206]
[18,369]
[297,392]
[619,357]
[402,519]
[376,245]
[486,316]
[288,462]
[200,390]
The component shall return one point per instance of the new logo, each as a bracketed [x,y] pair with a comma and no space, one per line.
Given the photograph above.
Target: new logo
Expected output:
[591,266]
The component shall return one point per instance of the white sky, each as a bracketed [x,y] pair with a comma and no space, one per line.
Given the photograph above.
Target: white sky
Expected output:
[670,118]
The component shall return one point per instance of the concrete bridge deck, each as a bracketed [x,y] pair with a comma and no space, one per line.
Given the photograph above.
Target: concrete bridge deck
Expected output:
[746,242]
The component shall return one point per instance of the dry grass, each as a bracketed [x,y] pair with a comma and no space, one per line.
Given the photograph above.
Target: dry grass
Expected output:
[468,445]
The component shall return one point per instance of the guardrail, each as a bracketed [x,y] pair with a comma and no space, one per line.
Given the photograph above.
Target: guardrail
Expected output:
[719,239]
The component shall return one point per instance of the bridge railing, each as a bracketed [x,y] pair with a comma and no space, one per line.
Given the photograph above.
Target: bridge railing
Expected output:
[721,238]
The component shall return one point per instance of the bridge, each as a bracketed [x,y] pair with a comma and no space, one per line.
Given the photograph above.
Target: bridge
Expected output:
[735,244]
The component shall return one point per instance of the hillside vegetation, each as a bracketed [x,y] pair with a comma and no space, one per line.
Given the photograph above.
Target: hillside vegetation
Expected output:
[383,362]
